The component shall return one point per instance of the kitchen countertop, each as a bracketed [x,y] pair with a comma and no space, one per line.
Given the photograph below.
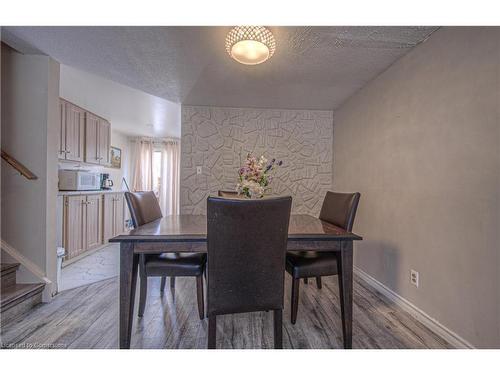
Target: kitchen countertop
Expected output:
[89,192]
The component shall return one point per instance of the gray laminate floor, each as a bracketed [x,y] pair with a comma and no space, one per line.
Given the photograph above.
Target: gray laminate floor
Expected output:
[98,266]
[86,317]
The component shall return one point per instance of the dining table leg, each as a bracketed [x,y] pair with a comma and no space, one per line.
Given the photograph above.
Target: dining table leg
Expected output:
[128,281]
[345,268]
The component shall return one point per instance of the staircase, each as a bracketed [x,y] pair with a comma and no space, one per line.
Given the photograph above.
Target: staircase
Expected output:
[16,299]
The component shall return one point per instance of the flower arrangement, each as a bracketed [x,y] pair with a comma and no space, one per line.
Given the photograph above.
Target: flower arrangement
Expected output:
[255,176]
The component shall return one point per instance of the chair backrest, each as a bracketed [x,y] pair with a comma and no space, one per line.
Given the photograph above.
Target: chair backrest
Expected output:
[340,209]
[246,241]
[144,207]
[228,193]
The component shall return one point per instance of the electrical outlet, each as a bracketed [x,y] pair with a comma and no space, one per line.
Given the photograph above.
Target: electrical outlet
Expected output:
[414,277]
[198,170]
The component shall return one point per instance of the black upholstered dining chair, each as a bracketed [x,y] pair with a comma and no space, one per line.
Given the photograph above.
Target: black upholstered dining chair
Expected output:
[144,208]
[246,243]
[338,209]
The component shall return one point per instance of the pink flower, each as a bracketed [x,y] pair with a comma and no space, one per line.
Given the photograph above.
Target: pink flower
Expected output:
[255,176]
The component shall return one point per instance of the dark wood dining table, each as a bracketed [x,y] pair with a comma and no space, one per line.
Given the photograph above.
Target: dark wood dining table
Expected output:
[188,233]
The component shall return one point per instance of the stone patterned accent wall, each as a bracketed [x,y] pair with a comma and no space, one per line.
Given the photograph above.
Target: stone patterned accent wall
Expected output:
[218,139]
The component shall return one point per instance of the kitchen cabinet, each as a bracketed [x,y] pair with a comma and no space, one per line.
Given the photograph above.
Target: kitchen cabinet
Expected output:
[119,215]
[74,214]
[93,223]
[83,136]
[91,138]
[90,220]
[61,140]
[104,142]
[71,131]
[108,216]
[82,224]
[97,139]
[114,215]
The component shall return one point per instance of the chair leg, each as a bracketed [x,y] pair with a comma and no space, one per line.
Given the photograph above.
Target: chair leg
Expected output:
[318,282]
[212,332]
[295,299]
[278,329]
[199,296]
[163,283]
[143,287]
[306,280]
[172,282]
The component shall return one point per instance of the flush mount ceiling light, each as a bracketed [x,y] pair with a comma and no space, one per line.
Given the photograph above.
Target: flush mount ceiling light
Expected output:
[250,45]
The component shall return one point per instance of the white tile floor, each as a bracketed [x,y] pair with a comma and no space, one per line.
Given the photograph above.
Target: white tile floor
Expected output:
[101,265]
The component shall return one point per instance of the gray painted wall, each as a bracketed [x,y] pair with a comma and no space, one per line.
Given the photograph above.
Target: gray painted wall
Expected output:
[421,143]
[30,92]
[218,140]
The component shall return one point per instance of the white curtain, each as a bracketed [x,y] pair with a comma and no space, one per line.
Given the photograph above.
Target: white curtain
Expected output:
[170,177]
[142,180]
[143,170]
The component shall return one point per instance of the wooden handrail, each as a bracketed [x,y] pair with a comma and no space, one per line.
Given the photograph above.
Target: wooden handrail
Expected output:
[18,166]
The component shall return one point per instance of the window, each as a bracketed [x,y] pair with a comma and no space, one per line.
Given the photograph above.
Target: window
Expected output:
[157,169]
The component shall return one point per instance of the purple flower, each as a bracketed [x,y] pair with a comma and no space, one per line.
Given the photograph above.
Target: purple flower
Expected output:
[280,163]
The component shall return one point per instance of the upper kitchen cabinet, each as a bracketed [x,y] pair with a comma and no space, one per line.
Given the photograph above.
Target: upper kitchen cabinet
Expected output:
[104,142]
[83,136]
[91,138]
[97,139]
[71,131]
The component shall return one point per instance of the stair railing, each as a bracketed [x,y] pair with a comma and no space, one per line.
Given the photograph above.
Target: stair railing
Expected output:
[18,166]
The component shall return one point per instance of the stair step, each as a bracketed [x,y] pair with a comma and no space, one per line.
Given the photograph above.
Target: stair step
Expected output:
[8,267]
[17,293]
[17,299]
[8,274]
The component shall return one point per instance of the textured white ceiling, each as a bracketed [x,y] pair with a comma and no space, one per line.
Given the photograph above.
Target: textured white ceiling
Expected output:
[313,67]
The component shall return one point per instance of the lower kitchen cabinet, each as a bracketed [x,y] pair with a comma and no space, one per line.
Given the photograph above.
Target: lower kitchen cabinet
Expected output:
[89,221]
[114,215]
[73,227]
[93,225]
[82,224]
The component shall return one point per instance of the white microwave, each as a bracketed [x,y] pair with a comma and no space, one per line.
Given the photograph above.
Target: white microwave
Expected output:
[79,180]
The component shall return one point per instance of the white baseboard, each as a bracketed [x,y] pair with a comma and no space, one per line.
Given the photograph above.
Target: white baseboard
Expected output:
[431,323]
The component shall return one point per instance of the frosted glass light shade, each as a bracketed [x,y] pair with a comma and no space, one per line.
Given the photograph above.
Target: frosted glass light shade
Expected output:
[250,45]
